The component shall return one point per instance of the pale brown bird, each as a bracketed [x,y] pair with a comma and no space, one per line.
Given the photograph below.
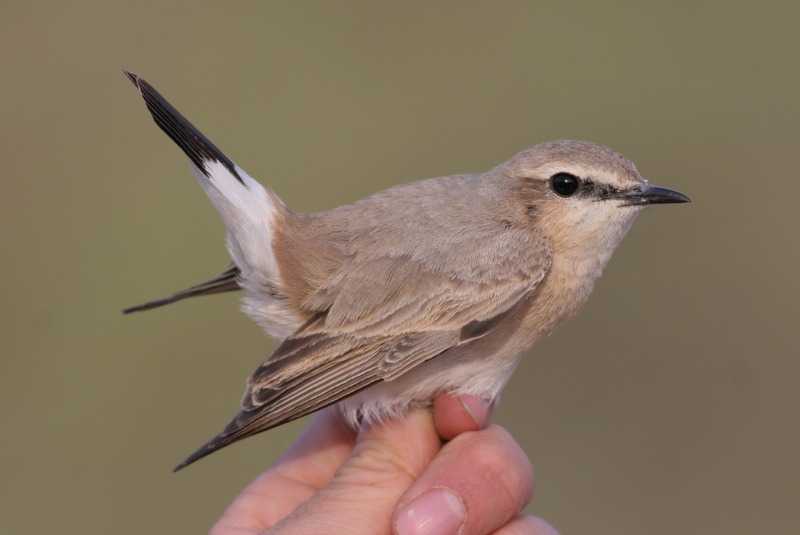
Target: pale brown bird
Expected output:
[438,285]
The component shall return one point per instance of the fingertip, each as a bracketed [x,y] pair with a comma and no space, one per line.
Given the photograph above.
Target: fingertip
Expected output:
[478,409]
[453,414]
[439,510]
[487,470]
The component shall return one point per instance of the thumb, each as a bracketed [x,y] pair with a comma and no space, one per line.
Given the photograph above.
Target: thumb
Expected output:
[387,458]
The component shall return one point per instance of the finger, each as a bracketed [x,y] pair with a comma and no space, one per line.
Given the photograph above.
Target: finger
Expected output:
[527,525]
[386,460]
[319,450]
[307,466]
[454,415]
[477,483]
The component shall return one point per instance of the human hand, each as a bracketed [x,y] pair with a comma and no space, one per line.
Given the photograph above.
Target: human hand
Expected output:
[394,477]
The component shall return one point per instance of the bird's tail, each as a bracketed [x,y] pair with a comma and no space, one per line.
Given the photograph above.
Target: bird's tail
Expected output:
[250,211]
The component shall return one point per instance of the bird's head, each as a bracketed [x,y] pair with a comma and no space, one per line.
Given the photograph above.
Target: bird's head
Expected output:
[581,197]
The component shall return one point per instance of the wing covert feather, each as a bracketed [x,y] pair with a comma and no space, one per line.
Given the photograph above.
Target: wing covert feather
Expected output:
[430,289]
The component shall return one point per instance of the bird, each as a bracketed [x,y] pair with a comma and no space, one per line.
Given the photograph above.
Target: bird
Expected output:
[433,286]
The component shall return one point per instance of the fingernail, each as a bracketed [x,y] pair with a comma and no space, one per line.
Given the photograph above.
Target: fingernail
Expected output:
[477,409]
[436,512]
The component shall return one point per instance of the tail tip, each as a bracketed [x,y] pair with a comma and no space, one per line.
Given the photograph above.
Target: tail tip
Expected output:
[132,77]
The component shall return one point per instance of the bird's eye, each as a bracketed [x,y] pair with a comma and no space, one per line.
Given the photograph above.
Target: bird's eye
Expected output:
[565,184]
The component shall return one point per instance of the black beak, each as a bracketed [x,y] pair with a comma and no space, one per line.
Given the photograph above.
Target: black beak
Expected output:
[649,194]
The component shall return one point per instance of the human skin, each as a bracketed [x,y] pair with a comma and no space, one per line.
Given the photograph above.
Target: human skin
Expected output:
[435,472]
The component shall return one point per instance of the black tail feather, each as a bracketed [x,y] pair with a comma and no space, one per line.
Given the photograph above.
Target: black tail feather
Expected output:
[227,281]
[193,143]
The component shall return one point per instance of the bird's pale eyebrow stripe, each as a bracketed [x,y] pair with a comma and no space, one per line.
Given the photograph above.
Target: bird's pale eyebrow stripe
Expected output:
[191,141]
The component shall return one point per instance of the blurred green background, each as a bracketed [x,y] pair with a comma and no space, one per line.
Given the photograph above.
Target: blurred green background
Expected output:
[669,405]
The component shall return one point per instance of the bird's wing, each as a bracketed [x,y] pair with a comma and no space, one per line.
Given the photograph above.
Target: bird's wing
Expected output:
[379,317]
[385,307]
[471,278]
